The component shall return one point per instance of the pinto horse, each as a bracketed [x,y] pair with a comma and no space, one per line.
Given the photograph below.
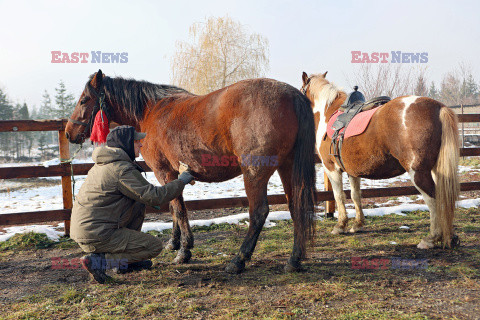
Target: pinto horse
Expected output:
[410,134]
[258,117]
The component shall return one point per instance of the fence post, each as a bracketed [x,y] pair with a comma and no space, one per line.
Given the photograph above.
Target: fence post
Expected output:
[463,129]
[66,180]
[329,205]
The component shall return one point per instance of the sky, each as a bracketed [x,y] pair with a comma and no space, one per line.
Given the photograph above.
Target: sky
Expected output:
[312,36]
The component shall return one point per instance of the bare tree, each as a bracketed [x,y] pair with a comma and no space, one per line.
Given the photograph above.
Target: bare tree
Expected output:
[221,52]
[392,80]
[450,90]
[459,86]
[421,86]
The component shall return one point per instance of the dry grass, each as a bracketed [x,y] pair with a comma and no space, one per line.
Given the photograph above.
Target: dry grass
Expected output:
[330,288]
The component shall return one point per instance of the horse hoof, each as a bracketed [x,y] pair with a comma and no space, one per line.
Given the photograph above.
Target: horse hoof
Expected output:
[356,229]
[291,268]
[338,230]
[172,245]
[455,241]
[425,245]
[182,257]
[235,267]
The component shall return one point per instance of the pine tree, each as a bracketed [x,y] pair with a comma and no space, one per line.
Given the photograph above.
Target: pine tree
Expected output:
[6,109]
[46,111]
[23,113]
[34,113]
[27,136]
[16,136]
[470,88]
[65,103]
[433,92]
[6,113]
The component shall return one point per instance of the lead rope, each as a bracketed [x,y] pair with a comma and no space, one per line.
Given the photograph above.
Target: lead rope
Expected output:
[71,168]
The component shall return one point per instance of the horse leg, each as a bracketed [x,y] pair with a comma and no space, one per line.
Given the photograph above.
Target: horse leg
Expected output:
[255,180]
[357,200]
[182,236]
[285,172]
[335,178]
[174,242]
[186,238]
[424,183]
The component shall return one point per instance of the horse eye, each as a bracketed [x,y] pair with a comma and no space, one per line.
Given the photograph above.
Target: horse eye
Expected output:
[84,100]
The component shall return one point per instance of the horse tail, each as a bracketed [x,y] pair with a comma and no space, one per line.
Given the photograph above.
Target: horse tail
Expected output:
[303,179]
[447,183]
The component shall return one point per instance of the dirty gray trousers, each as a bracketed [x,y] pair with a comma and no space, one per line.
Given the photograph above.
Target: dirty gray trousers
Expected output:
[127,244]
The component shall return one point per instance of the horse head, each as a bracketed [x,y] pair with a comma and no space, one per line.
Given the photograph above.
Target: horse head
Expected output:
[325,97]
[92,100]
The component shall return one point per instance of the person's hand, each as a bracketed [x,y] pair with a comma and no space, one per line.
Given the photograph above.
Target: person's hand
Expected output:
[182,168]
[185,174]
[186,177]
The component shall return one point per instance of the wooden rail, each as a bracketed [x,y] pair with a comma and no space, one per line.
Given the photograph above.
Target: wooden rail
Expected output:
[64,171]
[81,169]
[44,125]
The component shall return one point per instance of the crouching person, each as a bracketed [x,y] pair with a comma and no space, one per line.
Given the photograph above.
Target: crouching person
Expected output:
[109,210]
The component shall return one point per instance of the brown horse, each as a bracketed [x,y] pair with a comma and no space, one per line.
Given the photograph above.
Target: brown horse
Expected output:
[410,134]
[252,118]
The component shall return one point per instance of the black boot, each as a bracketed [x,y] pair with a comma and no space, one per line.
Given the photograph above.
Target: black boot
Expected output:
[96,264]
[135,266]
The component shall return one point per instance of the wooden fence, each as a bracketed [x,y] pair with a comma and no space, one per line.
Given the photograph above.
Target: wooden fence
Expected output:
[64,170]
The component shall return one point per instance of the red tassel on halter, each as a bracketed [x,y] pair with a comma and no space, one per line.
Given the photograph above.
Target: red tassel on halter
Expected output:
[100,128]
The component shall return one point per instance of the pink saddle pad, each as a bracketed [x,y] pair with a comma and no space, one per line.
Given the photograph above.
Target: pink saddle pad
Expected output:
[357,126]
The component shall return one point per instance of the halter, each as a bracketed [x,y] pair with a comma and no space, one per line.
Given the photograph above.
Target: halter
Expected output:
[100,105]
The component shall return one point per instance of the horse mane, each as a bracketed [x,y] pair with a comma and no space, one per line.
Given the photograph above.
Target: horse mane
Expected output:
[132,96]
[323,91]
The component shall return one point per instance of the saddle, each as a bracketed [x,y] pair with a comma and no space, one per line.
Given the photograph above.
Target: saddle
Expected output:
[353,105]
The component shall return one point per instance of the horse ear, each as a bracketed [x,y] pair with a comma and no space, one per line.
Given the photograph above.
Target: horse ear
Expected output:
[304,77]
[97,79]
[325,74]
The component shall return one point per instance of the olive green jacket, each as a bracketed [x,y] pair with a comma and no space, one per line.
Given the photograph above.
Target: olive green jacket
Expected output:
[106,199]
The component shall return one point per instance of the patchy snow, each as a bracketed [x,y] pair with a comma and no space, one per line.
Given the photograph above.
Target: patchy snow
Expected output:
[55,232]
[50,198]
[51,232]
[233,219]
[43,198]
[56,161]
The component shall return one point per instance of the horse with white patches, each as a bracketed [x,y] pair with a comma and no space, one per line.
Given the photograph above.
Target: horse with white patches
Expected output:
[410,134]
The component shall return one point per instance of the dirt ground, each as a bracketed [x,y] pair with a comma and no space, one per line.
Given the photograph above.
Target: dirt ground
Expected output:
[333,285]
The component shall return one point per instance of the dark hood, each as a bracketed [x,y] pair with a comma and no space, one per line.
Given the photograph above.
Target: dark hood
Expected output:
[122,137]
